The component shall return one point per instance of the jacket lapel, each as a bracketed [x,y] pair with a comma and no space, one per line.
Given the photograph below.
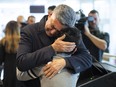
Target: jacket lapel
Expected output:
[44,39]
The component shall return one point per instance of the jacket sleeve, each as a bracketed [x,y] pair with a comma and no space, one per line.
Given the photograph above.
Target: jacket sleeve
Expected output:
[106,37]
[80,60]
[27,58]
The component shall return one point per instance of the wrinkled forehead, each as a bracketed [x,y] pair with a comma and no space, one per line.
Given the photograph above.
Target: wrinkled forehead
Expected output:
[56,22]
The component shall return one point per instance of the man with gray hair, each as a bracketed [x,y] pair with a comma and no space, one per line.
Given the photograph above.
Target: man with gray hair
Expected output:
[39,45]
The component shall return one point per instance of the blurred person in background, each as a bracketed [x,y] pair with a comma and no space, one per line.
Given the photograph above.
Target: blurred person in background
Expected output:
[31,20]
[45,17]
[21,21]
[8,49]
[50,9]
[94,39]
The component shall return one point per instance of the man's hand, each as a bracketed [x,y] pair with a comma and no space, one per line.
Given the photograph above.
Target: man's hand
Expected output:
[62,46]
[54,67]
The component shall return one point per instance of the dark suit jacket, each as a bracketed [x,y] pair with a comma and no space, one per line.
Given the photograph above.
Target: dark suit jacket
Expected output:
[35,49]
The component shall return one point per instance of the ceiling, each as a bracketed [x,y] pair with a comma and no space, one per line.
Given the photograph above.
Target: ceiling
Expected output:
[16,1]
[29,1]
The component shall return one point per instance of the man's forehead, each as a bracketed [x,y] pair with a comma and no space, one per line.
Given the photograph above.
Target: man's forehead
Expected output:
[94,15]
[56,22]
[53,19]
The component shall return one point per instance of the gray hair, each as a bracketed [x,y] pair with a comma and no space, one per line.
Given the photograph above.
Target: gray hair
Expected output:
[65,14]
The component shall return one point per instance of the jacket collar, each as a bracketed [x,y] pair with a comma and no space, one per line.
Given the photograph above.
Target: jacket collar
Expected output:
[43,36]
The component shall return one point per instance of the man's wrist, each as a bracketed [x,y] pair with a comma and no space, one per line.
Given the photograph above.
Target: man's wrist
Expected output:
[53,47]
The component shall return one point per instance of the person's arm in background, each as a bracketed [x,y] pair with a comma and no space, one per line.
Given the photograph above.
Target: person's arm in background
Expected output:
[100,43]
[106,37]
